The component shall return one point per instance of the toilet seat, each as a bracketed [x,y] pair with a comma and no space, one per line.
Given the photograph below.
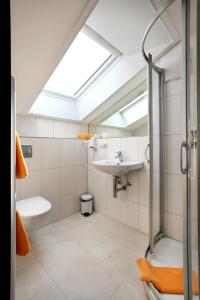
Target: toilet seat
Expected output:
[33,207]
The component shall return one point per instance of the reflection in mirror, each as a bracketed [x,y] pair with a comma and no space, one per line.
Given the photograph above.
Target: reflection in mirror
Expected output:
[128,117]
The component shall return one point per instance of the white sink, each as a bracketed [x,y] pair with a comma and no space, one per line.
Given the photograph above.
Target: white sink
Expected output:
[116,168]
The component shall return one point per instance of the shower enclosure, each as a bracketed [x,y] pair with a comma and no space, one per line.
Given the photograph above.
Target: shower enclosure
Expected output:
[188,149]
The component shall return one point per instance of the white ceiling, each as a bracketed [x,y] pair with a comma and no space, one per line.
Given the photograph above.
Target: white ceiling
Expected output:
[123,23]
[41,32]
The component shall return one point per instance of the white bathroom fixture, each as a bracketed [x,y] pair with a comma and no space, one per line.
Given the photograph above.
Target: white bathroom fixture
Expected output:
[117,168]
[34,211]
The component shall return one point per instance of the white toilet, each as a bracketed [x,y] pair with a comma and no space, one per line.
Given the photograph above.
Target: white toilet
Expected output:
[34,211]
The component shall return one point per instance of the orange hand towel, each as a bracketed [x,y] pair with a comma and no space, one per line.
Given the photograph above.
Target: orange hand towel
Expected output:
[85,136]
[166,280]
[21,169]
[23,246]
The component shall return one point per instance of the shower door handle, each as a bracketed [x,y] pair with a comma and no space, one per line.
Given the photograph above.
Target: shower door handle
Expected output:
[183,169]
[148,146]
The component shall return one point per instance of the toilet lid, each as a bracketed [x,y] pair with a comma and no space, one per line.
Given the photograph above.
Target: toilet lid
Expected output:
[33,207]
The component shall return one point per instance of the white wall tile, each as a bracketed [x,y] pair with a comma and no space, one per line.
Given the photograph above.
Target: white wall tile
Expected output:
[83,128]
[51,182]
[173,143]
[74,130]
[80,152]
[67,152]
[174,226]
[54,213]
[173,88]
[113,207]
[100,202]
[132,192]
[175,193]
[25,126]
[171,61]
[34,162]
[114,145]
[129,148]
[60,129]
[31,185]
[81,181]
[174,115]
[67,176]
[144,218]
[69,205]
[50,153]
[44,127]
[130,213]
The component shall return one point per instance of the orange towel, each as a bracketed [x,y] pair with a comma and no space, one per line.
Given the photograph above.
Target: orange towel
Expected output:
[166,280]
[85,136]
[21,169]
[23,246]
[22,242]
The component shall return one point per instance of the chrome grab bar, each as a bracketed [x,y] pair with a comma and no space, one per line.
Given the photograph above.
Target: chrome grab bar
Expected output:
[183,169]
[148,146]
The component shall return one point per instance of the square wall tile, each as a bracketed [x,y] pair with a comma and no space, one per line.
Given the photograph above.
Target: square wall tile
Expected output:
[44,127]
[174,115]
[67,152]
[113,207]
[25,125]
[99,181]
[174,226]
[173,144]
[54,213]
[60,129]
[129,148]
[50,153]
[144,219]
[114,145]
[34,162]
[132,192]
[51,182]
[67,179]
[69,205]
[74,130]
[31,185]
[175,193]
[80,152]
[173,88]
[81,181]
[100,202]
[144,187]
[129,213]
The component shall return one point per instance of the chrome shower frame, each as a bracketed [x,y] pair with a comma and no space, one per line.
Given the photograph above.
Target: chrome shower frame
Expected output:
[187,261]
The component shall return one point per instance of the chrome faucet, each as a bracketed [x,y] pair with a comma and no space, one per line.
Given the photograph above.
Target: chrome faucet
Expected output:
[119,155]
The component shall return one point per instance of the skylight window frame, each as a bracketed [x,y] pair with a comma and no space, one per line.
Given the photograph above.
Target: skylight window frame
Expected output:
[115,54]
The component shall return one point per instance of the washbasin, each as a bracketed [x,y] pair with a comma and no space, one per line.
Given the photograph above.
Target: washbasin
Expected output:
[117,168]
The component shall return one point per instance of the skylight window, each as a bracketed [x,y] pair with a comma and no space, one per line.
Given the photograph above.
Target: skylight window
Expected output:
[81,64]
[131,113]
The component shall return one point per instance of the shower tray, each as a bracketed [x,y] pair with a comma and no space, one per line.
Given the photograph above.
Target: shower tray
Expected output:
[167,253]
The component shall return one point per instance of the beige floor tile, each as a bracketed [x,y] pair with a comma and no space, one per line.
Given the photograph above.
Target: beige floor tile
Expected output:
[31,278]
[50,293]
[87,279]
[58,258]
[127,292]
[88,258]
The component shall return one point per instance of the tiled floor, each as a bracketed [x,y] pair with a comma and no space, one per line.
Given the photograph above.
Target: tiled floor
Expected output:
[81,258]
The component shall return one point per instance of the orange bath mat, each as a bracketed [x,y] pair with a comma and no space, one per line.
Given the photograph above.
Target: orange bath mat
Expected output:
[166,280]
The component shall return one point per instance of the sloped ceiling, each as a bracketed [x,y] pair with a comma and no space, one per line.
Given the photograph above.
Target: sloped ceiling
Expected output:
[41,32]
